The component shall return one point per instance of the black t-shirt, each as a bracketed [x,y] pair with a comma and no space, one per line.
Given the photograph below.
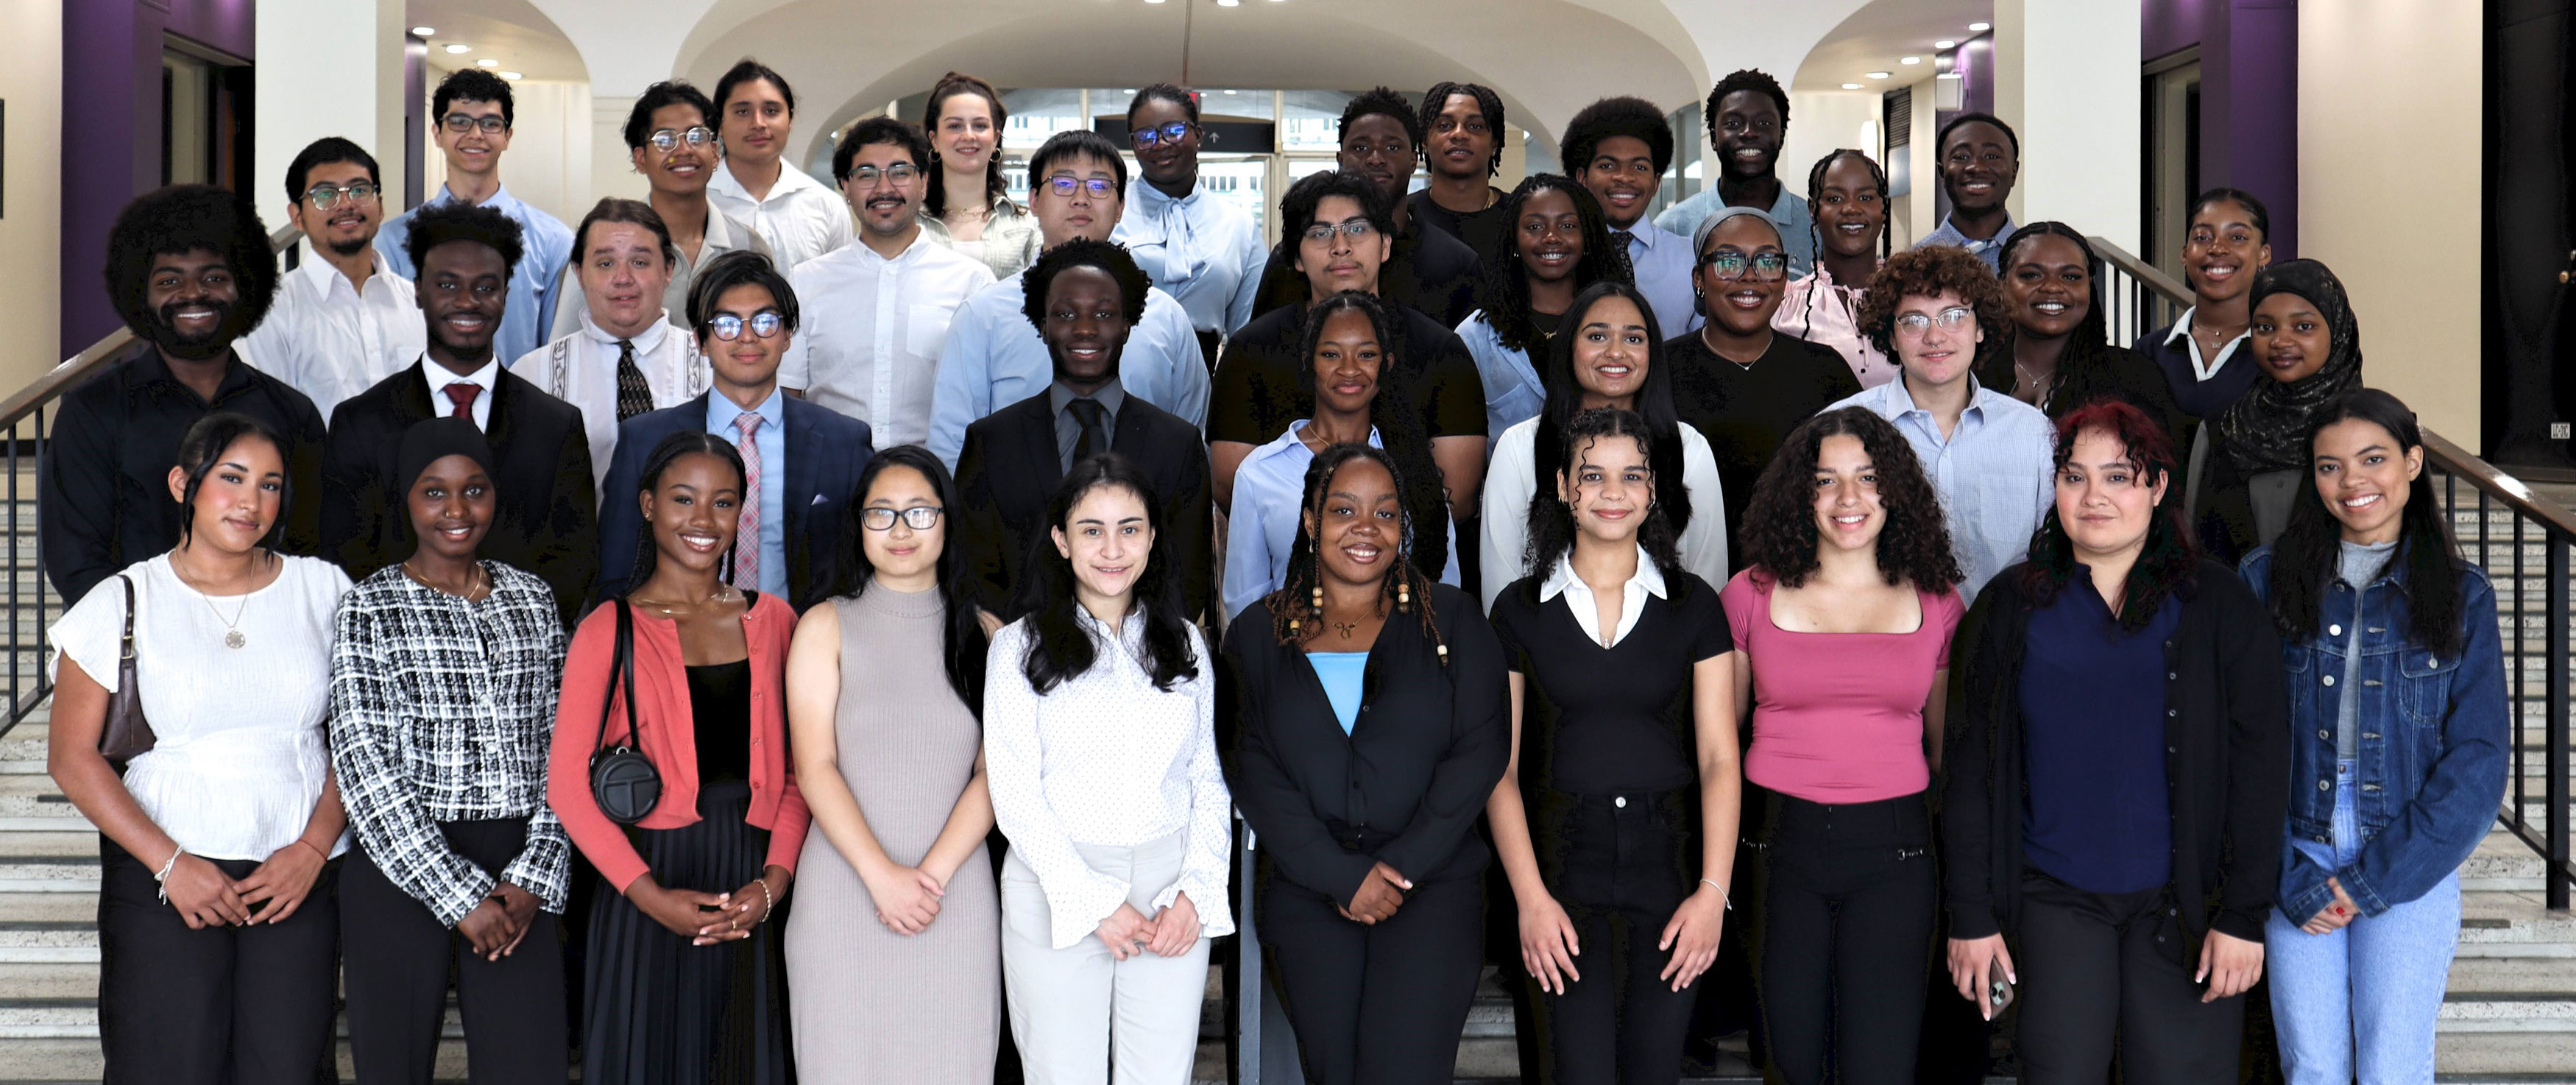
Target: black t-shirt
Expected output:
[1481,230]
[1425,268]
[1747,411]
[1257,393]
[720,696]
[1598,720]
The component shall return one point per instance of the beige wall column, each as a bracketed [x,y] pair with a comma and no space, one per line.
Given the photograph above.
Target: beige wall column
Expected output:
[2067,79]
[612,168]
[327,68]
[31,280]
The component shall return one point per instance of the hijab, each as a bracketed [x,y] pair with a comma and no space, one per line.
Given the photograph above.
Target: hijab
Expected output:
[2267,429]
[432,440]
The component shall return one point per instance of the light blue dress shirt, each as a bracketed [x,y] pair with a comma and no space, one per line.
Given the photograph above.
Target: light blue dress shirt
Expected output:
[1204,252]
[1996,472]
[993,358]
[1662,260]
[1261,527]
[1990,251]
[1513,388]
[545,245]
[1342,674]
[771,437]
[1797,227]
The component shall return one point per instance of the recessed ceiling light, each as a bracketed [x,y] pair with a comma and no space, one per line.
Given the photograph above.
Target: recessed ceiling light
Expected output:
[1909,60]
[424,31]
[1229,92]
[1878,75]
[511,76]
[1851,86]
[1229,3]
[1945,43]
[487,62]
[1981,27]
[455,48]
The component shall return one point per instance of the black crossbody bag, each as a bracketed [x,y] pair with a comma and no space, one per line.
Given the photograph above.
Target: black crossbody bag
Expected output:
[622,780]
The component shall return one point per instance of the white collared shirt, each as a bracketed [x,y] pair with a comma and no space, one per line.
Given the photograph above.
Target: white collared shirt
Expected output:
[2205,370]
[439,377]
[1587,607]
[869,343]
[581,369]
[803,218]
[331,340]
[1512,479]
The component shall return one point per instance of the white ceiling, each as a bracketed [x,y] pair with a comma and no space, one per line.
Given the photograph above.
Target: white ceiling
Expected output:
[1877,37]
[513,32]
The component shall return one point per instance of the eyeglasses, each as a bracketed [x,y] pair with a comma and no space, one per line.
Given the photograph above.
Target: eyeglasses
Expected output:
[728,327]
[491,123]
[326,197]
[1356,229]
[1064,184]
[1769,267]
[918,517]
[666,141]
[900,173]
[1949,319]
[1169,133]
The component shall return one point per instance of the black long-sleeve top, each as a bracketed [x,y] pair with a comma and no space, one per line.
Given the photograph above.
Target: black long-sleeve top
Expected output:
[103,484]
[1404,787]
[2227,758]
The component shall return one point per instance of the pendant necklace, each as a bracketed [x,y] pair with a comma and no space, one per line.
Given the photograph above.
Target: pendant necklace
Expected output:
[232,632]
[1346,628]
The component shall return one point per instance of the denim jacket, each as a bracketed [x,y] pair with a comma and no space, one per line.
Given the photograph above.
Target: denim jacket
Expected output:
[2431,766]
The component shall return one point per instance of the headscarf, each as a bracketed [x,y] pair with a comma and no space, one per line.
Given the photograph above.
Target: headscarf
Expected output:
[2267,429]
[428,442]
[1707,226]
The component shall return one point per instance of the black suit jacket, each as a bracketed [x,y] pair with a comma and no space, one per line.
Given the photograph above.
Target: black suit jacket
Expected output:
[1009,467]
[545,516]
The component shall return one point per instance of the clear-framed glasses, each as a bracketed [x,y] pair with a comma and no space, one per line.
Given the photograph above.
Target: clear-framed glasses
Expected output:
[763,324]
[1356,229]
[490,123]
[918,517]
[900,173]
[1064,184]
[326,197]
[1168,133]
[1769,267]
[666,140]
[1949,319]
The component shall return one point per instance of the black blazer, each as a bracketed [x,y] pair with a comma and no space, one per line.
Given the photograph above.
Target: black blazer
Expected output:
[2227,759]
[544,520]
[1008,468]
[826,450]
[1408,783]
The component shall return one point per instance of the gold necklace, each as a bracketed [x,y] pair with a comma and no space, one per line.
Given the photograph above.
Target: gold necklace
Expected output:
[233,637]
[477,587]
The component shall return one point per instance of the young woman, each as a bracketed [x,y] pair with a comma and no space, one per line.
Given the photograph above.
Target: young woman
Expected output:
[213,895]
[1616,819]
[1205,252]
[2406,746]
[894,948]
[1849,194]
[2114,786]
[1843,619]
[1557,246]
[444,672]
[1350,339]
[1099,735]
[684,983]
[2229,241]
[2058,355]
[968,208]
[1368,715]
[1613,358]
[2309,348]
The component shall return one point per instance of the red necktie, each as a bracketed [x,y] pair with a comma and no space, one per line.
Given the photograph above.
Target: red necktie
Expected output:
[462,394]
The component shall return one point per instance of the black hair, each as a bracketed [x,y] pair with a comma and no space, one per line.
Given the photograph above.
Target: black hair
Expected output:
[1077,143]
[669,92]
[323,152]
[2170,556]
[1752,79]
[1612,117]
[179,220]
[1955,123]
[742,267]
[876,130]
[2088,347]
[1060,647]
[2253,206]
[204,444]
[1551,522]
[472,85]
[1168,92]
[1108,256]
[950,86]
[669,450]
[1392,411]
[1296,613]
[1487,102]
[456,220]
[1502,291]
[1297,208]
[1387,102]
[748,70]
[1778,535]
[632,212]
[962,645]
[1655,406]
[2307,556]
[1816,229]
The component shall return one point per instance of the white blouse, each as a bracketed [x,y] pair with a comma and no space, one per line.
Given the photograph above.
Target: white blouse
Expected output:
[1108,760]
[1512,480]
[239,758]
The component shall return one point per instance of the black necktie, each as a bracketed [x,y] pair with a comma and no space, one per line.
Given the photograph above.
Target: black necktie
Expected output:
[1624,238]
[1088,413]
[634,397]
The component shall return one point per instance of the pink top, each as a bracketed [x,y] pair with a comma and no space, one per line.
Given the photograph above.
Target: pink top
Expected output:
[1838,717]
[1821,311]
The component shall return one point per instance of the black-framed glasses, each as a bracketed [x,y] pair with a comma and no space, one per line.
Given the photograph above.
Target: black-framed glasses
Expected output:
[1949,319]
[491,123]
[763,324]
[666,140]
[326,197]
[900,173]
[918,517]
[1357,230]
[1769,267]
[1064,184]
[1161,134]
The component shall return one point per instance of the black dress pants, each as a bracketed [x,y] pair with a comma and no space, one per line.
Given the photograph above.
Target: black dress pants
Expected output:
[397,967]
[1848,899]
[1624,863]
[219,1006]
[1381,1005]
[2105,969]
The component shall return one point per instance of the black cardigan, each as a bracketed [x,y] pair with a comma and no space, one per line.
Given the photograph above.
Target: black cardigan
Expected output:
[1405,787]
[2227,763]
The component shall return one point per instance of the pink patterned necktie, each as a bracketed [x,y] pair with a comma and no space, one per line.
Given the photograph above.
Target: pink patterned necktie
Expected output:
[746,546]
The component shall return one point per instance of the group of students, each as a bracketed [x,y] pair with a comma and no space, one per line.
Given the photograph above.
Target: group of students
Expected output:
[803,666]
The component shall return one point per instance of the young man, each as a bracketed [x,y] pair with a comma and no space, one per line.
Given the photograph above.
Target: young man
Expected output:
[472,112]
[189,270]
[671,139]
[1748,118]
[794,213]
[994,358]
[625,355]
[876,312]
[1203,251]
[1465,124]
[340,323]
[1619,149]
[1083,299]
[804,461]
[1430,270]
[545,518]
[1980,160]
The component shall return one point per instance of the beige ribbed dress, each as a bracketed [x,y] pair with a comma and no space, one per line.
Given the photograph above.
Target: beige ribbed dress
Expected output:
[872,1006]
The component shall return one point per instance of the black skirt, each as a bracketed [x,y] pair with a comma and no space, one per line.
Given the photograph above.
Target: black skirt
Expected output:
[664,1012]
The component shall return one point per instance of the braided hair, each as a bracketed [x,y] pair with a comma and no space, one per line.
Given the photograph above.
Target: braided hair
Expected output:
[1551,521]
[1296,609]
[1487,102]
[1502,292]
[1816,230]
[1392,410]
[649,479]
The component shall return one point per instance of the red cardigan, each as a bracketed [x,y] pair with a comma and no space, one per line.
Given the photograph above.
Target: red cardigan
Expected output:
[663,716]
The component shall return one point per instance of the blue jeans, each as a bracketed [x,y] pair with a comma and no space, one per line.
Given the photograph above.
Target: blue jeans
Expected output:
[2367,994]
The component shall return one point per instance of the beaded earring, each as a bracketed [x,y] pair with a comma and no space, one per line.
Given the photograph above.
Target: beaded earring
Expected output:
[1319,598]
[1403,591]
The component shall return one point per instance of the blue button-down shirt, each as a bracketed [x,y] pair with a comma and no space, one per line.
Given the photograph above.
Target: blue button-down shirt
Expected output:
[1204,252]
[993,358]
[1996,472]
[1991,251]
[771,438]
[1513,388]
[545,244]
[1797,227]
[1662,260]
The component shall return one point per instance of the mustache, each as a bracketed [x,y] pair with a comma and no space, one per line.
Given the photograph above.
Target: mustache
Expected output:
[195,346]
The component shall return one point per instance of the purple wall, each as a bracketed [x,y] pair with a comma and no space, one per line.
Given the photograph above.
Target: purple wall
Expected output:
[2249,96]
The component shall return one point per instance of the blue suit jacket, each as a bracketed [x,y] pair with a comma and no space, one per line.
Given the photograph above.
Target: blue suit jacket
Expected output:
[825,452]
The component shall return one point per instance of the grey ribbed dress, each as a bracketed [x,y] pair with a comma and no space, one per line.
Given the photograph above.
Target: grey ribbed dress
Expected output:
[870,1005]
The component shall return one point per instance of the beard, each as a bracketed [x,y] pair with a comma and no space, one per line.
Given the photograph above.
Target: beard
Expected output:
[166,335]
[352,247]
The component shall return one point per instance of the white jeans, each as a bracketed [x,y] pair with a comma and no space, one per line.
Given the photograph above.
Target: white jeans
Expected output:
[1082,1017]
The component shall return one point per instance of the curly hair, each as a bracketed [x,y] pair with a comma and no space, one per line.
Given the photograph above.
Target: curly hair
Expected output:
[1061,648]
[1386,102]
[1296,615]
[1487,102]
[1551,522]
[456,220]
[1929,272]
[2170,557]
[1625,115]
[1502,291]
[1779,530]
[873,131]
[1392,411]
[1752,79]
[1108,256]
[473,85]
[179,220]
[996,189]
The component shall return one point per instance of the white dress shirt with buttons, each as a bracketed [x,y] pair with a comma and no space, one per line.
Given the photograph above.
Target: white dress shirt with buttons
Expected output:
[332,340]
[439,377]
[1996,472]
[1205,252]
[869,342]
[581,369]
[1586,606]
[803,218]
[723,235]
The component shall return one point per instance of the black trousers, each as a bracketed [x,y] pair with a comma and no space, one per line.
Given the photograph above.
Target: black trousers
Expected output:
[219,1006]
[1380,1005]
[1622,875]
[1843,954]
[396,970]
[2105,969]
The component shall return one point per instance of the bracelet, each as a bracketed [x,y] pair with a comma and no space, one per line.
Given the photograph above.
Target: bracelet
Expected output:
[769,902]
[1721,893]
[325,856]
[162,878]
